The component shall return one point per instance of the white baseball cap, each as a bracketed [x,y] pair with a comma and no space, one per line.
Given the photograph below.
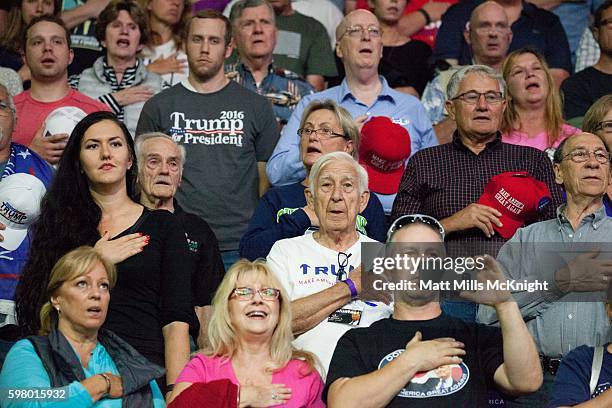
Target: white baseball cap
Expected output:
[62,120]
[20,196]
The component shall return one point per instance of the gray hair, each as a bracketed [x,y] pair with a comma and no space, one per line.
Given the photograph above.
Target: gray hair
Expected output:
[240,5]
[345,119]
[11,103]
[141,139]
[481,70]
[336,156]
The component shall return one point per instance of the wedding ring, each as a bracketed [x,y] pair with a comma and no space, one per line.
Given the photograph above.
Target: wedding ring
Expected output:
[274,395]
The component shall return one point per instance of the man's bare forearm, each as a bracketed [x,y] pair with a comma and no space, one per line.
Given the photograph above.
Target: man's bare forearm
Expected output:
[312,310]
[521,371]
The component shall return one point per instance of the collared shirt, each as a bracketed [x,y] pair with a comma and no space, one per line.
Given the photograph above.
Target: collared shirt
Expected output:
[283,88]
[535,27]
[557,325]
[285,165]
[445,179]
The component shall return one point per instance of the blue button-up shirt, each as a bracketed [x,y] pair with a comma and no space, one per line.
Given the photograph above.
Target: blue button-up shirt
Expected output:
[285,165]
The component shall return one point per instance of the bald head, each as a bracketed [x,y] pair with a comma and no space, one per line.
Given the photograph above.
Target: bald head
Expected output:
[347,21]
[489,34]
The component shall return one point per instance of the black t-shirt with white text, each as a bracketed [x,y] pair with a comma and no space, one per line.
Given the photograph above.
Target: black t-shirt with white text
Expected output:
[362,351]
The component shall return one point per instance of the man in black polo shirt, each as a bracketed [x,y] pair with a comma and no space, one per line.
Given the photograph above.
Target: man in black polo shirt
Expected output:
[160,168]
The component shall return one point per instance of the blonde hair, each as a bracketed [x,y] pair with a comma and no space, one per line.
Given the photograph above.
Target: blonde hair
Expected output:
[222,333]
[75,263]
[554,104]
[596,113]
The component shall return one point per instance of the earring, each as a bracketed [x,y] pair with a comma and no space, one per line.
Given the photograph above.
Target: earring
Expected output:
[58,310]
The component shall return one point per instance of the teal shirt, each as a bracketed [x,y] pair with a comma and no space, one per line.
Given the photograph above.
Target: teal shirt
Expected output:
[24,369]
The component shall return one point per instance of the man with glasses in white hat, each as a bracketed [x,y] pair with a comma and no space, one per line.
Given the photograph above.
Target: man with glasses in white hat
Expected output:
[422,357]
[24,177]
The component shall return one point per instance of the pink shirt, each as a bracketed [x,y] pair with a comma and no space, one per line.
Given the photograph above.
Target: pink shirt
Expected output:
[539,141]
[305,389]
[32,113]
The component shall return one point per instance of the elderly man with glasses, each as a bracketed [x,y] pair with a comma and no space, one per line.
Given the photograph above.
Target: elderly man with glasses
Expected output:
[321,271]
[570,253]
[447,181]
[422,357]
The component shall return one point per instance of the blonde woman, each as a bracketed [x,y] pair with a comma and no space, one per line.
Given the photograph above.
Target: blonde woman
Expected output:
[250,336]
[534,111]
[75,362]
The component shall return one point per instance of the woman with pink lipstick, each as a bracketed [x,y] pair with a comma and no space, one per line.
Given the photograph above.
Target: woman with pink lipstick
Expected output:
[74,360]
[534,111]
[251,361]
[92,202]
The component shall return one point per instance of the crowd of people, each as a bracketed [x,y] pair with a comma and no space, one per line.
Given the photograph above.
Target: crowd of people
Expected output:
[191,193]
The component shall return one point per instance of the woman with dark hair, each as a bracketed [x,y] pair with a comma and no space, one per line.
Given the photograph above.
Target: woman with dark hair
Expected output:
[534,111]
[91,201]
[74,359]
[12,41]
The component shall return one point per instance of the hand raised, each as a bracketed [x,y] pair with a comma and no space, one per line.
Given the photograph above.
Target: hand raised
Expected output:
[133,94]
[492,273]
[116,389]
[120,249]
[264,395]
[170,64]
[430,354]
[585,273]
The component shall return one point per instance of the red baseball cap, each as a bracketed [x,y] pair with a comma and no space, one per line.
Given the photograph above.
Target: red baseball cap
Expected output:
[383,150]
[517,196]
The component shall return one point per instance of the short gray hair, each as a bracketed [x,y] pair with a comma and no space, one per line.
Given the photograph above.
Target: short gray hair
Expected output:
[345,120]
[455,81]
[336,156]
[11,104]
[141,139]
[240,5]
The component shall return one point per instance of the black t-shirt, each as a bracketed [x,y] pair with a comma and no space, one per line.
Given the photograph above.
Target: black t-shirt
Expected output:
[153,287]
[361,351]
[582,89]
[204,249]
[407,65]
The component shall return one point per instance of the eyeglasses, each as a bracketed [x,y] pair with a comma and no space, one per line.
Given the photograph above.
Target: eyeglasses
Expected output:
[491,29]
[323,133]
[606,126]
[582,155]
[606,23]
[247,294]
[472,97]
[357,31]
[404,220]
[343,261]
[5,108]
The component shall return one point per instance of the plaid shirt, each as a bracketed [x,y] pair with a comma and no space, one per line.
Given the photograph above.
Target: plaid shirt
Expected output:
[442,180]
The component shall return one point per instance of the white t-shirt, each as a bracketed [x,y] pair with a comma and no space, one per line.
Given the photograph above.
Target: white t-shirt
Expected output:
[305,267]
[150,54]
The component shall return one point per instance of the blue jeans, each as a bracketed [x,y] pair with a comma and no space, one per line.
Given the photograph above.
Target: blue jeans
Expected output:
[229,258]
